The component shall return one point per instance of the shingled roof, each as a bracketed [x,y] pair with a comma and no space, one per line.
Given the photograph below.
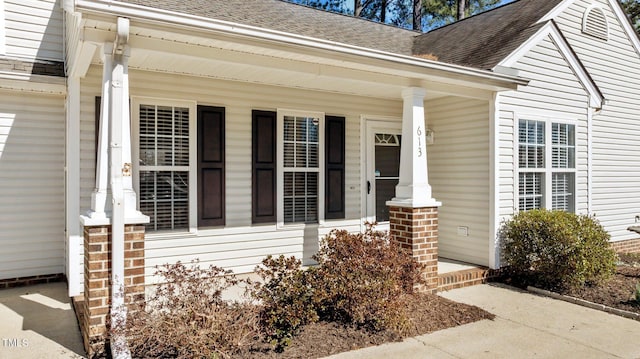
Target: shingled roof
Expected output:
[297,19]
[480,41]
[483,40]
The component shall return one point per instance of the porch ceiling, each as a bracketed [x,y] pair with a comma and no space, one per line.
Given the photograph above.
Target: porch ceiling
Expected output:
[201,53]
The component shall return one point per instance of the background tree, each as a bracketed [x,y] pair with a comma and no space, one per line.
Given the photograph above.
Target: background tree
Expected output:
[632,8]
[421,15]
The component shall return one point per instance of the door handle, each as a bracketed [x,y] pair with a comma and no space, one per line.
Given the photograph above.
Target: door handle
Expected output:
[368,187]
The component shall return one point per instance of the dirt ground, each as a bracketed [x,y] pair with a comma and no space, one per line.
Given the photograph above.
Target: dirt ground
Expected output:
[619,292]
[428,313]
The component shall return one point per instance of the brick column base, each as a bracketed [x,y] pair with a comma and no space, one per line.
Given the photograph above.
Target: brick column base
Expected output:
[97,280]
[416,230]
[626,246]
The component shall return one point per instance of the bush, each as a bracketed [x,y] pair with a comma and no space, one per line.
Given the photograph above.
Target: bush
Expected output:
[286,297]
[186,317]
[361,279]
[365,279]
[556,249]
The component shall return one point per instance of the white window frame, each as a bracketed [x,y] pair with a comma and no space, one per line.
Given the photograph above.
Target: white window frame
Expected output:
[548,170]
[192,167]
[3,31]
[281,113]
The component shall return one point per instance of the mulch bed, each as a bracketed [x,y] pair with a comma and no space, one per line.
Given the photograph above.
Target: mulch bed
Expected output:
[428,313]
[619,291]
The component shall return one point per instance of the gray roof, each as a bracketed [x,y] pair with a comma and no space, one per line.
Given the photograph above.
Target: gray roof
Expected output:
[480,41]
[483,40]
[292,18]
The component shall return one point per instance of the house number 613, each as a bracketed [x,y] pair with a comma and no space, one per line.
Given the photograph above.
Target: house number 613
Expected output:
[419,133]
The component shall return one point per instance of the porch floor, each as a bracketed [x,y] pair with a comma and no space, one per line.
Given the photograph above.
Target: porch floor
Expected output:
[455,274]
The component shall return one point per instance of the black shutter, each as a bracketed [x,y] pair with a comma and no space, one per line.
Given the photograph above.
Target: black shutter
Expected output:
[334,167]
[263,167]
[211,166]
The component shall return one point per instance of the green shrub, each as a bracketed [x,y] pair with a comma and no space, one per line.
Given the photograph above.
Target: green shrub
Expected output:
[364,280]
[186,317]
[286,297]
[556,249]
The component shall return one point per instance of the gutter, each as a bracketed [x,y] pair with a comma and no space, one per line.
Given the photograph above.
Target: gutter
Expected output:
[114,8]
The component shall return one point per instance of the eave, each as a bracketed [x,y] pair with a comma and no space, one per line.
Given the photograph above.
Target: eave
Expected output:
[326,58]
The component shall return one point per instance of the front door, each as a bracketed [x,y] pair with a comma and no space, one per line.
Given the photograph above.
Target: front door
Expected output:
[382,169]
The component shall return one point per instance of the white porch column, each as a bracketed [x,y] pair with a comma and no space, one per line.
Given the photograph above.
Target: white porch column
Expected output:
[413,213]
[413,189]
[100,197]
[121,112]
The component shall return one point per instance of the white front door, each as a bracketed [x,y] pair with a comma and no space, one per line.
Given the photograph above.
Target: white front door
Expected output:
[382,168]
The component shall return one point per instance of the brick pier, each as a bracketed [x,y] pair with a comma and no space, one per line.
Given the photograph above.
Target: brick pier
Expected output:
[95,305]
[416,230]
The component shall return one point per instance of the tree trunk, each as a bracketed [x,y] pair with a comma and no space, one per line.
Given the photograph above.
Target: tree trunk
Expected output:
[383,11]
[417,15]
[357,8]
[462,7]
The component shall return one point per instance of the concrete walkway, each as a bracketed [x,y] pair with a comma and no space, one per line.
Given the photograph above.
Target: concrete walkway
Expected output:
[526,326]
[38,322]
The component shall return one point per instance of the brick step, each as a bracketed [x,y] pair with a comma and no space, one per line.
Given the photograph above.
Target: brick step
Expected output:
[464,278]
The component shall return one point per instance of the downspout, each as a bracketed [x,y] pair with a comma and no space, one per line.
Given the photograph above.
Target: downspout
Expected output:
[120,118]
[494,181]
[590,113]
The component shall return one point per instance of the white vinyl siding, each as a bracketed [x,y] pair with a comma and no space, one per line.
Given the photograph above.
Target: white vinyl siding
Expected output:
[614,65]
[32,159]
[556,95]
[459,176]
[3,30]
[239,246]
[33,29]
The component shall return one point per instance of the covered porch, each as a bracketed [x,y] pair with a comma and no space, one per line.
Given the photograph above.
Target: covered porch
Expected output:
[214,59]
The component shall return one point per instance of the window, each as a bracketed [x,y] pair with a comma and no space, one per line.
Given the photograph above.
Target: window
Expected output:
[299,167]
[287,178]
[164,156]
[546,168]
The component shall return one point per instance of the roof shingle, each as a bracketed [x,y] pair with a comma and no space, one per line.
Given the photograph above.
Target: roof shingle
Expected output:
[483,40]
[292,18]
[480,41]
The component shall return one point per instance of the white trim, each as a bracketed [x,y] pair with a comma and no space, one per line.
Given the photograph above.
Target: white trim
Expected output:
[281,113]
[181,20]
[626,24]
[72,198]
[596,98]
[136,101]
[3,31]
[32,83]
[82,59]
[373,124]
[494,180]
[556,11]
